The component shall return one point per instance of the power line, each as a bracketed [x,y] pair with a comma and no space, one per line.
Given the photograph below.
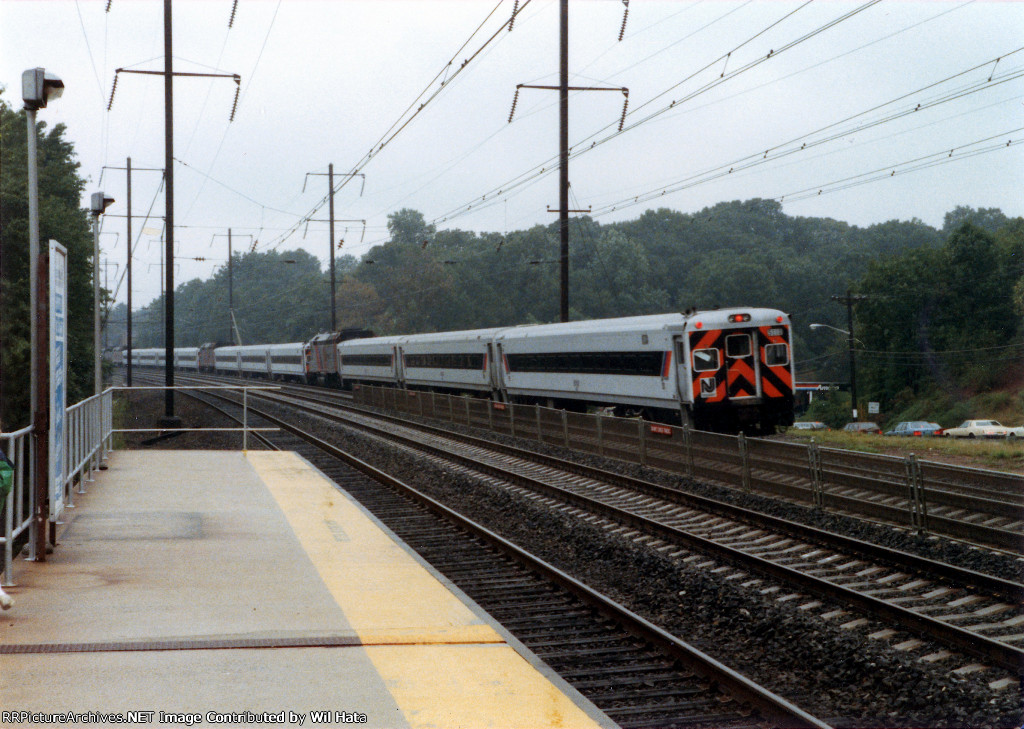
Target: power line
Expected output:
[931,160]
[399,125]
[789,147]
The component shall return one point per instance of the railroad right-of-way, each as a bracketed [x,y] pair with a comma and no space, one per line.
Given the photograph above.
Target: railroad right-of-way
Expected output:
[847,628]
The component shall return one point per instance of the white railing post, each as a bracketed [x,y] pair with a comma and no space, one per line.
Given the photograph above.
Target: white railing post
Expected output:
[245,419]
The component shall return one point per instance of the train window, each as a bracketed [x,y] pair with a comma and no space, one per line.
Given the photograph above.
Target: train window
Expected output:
[705,360]
[737,345]
[776,355]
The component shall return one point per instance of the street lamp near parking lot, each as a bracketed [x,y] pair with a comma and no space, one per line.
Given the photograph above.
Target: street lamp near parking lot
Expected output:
[853,363]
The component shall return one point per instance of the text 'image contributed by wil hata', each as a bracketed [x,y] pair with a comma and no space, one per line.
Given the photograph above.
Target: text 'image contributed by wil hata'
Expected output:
[184,718]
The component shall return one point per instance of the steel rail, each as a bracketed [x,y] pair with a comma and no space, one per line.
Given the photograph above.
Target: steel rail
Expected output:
[996,586]
[770,705]
[1000,654]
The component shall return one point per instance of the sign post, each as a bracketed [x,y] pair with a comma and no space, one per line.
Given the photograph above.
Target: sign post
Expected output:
[58,376]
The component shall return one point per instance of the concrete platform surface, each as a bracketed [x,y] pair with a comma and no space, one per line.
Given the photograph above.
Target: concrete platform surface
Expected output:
[222,588]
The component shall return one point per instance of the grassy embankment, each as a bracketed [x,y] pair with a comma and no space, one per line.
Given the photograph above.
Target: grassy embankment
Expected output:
[1002,455]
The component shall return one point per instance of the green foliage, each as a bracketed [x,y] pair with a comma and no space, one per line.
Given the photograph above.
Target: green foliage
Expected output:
[60,219]
[831,408]
[277,296]
[943,318]
[926,294]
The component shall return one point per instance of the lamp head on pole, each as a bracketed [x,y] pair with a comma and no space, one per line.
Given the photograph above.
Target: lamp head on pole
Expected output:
[100,203]
[828,326]
[38,88]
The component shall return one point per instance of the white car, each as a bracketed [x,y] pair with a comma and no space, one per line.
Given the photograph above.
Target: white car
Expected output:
[978,429]
[1017,432]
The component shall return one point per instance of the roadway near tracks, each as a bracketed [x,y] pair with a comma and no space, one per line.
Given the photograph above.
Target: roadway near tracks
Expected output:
[941,641]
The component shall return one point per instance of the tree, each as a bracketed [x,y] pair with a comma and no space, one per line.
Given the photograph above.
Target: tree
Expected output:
[60,219]
[989,219]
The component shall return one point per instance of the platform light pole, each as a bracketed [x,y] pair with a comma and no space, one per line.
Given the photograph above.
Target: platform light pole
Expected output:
[38,88]
[100,203]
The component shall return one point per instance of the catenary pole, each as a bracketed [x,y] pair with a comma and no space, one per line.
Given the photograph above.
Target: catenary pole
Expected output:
[563,163]
[330,184]
[169,419]
[128,333]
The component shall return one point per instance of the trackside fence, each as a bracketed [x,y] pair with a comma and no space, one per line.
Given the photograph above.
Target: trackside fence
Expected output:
[925,496]
[88,427]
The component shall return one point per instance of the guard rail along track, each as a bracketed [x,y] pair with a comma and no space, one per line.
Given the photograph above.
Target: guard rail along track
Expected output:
[634,671]
[974,504]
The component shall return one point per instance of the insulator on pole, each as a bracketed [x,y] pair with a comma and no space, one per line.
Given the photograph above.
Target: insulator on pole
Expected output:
[109,3]
[234,8]
[515,100]
[512,20]
[625,105]
[112,90]
[234,104]
[625,15]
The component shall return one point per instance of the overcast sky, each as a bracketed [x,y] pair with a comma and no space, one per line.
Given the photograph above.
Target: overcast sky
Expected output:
[713,86]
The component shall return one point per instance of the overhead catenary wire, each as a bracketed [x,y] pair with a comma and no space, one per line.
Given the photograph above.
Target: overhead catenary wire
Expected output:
[578,148]
[789,147]
[131,252]
[406,118]
[780,150]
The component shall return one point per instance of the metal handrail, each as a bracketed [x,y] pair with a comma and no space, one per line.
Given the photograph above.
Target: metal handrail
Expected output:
[19,506]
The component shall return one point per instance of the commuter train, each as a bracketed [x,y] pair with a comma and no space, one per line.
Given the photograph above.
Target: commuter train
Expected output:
[725,370]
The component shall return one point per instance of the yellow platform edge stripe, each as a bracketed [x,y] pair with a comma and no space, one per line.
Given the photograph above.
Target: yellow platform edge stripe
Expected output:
[441,663]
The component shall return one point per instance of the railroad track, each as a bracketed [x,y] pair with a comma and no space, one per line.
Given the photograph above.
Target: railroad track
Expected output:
[635,672]
[975,506]
[978,616]
[885,592]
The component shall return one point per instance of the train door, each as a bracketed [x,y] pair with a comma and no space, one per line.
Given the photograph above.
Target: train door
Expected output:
[776,366]
[499,373]
[307,361]
[742,381]
[493,372]
[399,369]
[708,374]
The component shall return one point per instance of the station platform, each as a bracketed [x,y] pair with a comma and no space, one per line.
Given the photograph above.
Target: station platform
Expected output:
[225,588]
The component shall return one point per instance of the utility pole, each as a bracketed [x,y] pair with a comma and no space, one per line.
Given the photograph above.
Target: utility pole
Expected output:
[233,336]
[231,291]
[128,333]
[169,419]
[330,220]
[563,89]
[128,275]
[849,300]
[563,157]
[330,238]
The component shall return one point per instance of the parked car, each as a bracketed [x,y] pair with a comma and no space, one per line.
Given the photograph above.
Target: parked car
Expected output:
[978,429]
[916,428]
[1017,432]
[810,425]
[871,428]
[939,430]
